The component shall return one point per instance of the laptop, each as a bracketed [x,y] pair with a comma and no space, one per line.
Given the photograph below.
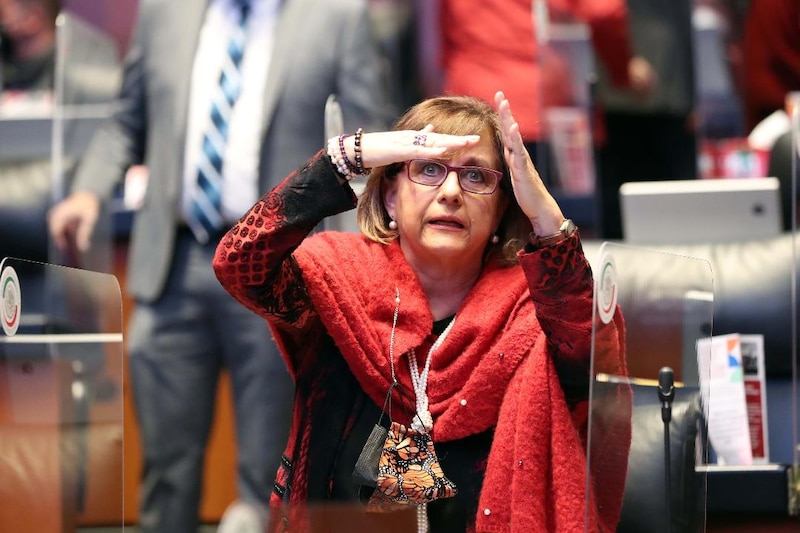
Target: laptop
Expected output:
[701,210]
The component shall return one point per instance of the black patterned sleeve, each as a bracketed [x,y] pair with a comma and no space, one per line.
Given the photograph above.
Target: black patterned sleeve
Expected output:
[561,285]
[253,260]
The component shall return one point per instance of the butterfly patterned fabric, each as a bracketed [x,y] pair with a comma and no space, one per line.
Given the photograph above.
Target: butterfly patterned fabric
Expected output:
[409,471]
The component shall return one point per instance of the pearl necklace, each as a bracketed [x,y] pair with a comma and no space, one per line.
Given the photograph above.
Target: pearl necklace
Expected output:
[423,422]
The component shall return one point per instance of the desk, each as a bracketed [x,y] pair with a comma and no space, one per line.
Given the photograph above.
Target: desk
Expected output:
[757,498]
[750,498]
[61,401]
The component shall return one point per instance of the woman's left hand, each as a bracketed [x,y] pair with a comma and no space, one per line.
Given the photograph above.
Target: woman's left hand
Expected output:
[532,195]
[386,147]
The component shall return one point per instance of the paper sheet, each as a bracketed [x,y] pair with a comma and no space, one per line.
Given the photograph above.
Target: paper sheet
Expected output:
[722,389]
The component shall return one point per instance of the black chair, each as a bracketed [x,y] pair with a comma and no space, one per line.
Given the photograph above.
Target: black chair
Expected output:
[644,506]
[780,166]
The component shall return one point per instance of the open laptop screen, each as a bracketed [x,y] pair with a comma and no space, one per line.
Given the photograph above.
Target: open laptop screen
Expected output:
[703,210]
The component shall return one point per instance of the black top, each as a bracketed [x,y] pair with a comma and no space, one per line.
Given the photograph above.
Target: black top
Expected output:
[340,425]
[30,75]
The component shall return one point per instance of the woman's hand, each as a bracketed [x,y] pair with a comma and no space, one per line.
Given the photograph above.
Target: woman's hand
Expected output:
[386,147]
[532,195]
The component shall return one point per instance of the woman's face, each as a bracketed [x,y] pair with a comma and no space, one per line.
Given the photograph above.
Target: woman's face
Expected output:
[445,224]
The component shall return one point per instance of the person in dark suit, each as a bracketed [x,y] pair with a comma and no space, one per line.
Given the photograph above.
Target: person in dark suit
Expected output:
[90,76]
[649,137]
[27,44]
[181,334]
[27,66]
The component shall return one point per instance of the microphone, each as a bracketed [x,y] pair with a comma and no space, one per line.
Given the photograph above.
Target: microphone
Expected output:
[666,392]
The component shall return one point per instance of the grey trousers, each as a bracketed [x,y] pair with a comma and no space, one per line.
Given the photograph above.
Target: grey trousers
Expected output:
[178,346]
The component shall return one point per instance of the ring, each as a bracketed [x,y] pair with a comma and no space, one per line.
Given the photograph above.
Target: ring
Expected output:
[419,139]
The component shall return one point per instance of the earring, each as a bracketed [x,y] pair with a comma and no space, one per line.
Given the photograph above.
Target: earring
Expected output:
[392,225]
[495,239]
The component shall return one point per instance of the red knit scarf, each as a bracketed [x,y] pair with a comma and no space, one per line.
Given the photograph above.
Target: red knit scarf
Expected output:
[353,283]
[493,370]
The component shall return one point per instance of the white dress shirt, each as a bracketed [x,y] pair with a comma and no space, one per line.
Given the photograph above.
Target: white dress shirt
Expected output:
[246,127]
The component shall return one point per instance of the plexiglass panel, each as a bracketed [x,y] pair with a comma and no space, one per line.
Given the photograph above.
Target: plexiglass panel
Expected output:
[650,309]
[794,492]
[87,79]
[61,417]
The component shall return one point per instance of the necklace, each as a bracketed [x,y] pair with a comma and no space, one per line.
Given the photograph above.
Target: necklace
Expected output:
[424,421]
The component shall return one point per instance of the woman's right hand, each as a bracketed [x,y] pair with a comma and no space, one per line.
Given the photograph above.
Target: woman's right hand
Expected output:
[387,147]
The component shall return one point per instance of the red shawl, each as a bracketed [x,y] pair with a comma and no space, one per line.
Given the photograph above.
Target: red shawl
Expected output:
[492,371]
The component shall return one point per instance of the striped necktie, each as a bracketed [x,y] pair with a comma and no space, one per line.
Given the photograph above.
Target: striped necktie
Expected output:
[205,211]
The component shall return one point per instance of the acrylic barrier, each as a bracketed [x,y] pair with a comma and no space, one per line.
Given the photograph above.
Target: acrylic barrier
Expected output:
[61,414]
[644,397]
[44,134]
[87,80]
[793,108]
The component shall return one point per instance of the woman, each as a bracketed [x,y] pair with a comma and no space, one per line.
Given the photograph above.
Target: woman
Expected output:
[467,277]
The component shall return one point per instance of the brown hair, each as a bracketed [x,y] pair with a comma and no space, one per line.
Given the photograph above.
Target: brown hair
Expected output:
[454,115]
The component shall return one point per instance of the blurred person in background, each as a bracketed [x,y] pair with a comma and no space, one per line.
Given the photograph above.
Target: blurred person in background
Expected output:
[771,57]
[27,44]
[220,100]
[27,83]
[476,47]
[27,69]
[651,136]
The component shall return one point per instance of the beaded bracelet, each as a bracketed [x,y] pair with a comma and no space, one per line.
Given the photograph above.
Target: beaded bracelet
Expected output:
[335,155]
[360,170]
[339,158]
[352,169]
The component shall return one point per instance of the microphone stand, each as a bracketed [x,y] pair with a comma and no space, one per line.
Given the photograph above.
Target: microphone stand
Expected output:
[666,393]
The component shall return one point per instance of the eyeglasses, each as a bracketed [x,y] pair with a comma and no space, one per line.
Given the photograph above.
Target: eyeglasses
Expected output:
[477,180]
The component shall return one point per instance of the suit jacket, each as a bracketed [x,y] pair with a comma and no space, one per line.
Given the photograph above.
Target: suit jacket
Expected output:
[321,47]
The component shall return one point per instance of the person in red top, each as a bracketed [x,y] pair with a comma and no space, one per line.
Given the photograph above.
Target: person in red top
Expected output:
[474,47]
[771,57]
[466,297]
